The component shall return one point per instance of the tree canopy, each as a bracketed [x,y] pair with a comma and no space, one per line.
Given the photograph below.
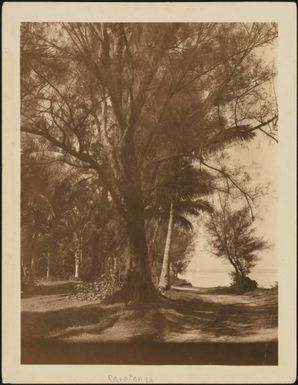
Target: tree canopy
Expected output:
[122,101]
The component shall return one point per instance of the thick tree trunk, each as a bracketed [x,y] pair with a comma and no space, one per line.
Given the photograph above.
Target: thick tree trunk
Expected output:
[138,286]
[164,281]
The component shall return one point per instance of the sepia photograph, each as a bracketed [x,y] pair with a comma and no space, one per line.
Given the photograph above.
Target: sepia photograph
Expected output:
[149,194]
[148,191]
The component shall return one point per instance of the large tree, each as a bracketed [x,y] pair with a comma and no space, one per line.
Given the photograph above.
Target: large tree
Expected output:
[120,99]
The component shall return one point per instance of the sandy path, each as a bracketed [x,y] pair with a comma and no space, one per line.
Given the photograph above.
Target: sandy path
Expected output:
[197,315]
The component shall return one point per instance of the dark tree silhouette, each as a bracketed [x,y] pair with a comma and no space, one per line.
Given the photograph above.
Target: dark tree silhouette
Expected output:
[234,239]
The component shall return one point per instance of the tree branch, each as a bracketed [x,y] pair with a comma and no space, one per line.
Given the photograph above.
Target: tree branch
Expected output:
[246,195]
[216,138]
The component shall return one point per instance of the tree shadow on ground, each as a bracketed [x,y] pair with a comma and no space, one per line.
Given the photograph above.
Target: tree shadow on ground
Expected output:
[184,318]
[190,327]
[91,334]
[224,320]
[41,325]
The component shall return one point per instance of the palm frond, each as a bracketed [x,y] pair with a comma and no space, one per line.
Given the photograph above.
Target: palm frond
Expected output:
[183,222]
[231,134]
[194,207]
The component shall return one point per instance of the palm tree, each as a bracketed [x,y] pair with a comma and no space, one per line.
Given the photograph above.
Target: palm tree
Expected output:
[182,194]
[76,217]
[37,213]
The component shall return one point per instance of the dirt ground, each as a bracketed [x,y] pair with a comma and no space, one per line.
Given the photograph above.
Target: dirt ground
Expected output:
[195,315]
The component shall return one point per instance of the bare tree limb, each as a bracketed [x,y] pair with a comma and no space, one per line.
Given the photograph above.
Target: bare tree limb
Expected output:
[246,195]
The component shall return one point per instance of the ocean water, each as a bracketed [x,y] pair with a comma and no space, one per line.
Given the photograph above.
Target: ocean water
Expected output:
[212,278]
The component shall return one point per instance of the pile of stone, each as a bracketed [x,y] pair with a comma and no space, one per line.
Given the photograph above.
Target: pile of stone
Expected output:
[98,290]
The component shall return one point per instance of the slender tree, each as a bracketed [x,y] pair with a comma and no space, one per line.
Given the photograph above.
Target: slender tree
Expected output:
[37,214]
[182,250]
[234,239]
[184,191]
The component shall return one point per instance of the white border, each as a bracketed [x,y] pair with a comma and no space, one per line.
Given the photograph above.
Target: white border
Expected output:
[285,14]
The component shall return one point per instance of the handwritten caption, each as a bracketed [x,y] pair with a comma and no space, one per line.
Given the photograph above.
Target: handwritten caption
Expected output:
[129,379]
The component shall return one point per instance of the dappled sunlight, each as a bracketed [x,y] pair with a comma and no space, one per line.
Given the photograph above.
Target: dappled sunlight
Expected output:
[190,317]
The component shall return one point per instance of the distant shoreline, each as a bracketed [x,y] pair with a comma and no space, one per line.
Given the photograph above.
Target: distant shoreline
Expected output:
[229,270]
[265,278]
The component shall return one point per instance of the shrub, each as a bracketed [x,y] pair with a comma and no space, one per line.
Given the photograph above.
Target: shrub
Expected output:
[243,284]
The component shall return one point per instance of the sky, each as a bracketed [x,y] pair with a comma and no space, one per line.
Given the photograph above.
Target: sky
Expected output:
[260,157]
